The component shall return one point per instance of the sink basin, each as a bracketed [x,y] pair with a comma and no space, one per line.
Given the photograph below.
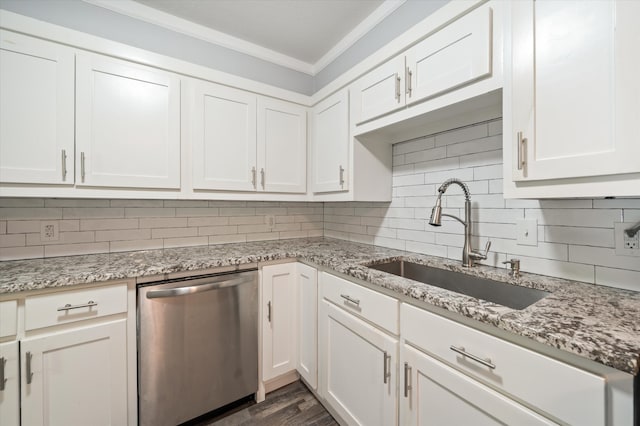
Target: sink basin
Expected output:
[504,294]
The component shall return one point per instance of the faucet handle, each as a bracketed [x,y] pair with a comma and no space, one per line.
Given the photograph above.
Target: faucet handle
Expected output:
[487,247]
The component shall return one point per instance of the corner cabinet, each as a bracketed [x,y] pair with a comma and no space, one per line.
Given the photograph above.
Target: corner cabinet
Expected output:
[307,318]
[36,111]
[329,130]
[572,99]
[245,142]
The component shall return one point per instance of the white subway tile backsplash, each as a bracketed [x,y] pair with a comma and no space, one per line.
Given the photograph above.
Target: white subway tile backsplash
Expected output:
[617,203]
[75,249]
[488,172]
[481,159]
[173,232]
[226,239]
[185,203]
[197,211]
[14,253]
[118,246]
[490,143]
[462,135]
[421,156]
[620,278]
[92,212]
[63,238]
[555,268]
[21,202]
[107,224]
[495,127]
[12,240]
[159,222]
[3,226]
[137,203]
[599,237]
[185,242]
[75,202]
[414,145]
[22,226]
[122,235]
[27,213]
[218,230]
[601,256]
[596,218]
[150,212]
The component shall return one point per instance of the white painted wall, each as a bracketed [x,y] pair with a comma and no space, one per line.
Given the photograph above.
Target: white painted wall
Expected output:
[575,236]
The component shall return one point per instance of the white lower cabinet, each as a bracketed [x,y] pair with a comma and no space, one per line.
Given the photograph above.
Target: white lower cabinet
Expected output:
[76,377]
[434,394]
[307,339]
[278,320]
[9,384]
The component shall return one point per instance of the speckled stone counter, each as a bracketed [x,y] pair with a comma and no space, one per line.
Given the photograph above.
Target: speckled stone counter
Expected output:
[598,323]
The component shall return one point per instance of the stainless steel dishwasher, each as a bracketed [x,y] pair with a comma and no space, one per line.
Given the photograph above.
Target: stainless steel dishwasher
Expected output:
[197,345]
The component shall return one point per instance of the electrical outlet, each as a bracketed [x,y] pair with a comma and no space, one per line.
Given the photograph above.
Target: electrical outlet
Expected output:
[527,232]
[270,220]
[626,245]
[49,231]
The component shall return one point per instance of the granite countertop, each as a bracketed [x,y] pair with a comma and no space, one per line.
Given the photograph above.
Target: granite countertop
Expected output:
[598,323]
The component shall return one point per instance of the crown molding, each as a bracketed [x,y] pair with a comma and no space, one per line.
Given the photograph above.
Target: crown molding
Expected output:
[377,16]
[153,16]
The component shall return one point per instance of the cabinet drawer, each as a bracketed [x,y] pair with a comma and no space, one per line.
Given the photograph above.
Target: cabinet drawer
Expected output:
[8,318]
[572,395]
[69,306]
[375,307]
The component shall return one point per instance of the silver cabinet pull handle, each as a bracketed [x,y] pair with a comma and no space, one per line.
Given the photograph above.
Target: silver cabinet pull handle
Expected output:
[407,386]
[397,88]
[253,177]
[521,151]
[262,177]
[408,76]
[350,299]
[385,371]
[486,362]
[341,175]
[64,165]
[82,159]
[3,362]
[183,291]
[29,373]
[269,310]
[68,306]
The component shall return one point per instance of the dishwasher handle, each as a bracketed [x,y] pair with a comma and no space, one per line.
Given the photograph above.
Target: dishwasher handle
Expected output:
[183,291]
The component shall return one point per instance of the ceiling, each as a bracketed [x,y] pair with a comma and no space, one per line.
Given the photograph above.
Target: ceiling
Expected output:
[305,35]
[303,29]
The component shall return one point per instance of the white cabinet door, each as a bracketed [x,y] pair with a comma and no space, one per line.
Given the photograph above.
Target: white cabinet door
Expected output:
[455,56]
[307,283]
[330,143]
[278,320]
[282,146]
[435,394]
[36,110]
[380,91]
[127,124]
[358,368]
[224,138]
[9,384]
[76,377]
[575,89]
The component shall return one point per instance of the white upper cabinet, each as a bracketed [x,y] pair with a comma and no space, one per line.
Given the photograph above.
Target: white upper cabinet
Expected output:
[574,99]
[282,146]
[223,138]
[242,142]
[379,92]
[455,56]
[127,124]
[36,110]
[330,143]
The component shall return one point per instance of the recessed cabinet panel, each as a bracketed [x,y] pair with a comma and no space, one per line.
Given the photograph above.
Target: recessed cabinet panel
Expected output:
[36,110]
[330,144]
[224,138]
[307,284]
[381,91]
[75,377]
[10,393]
[434,394]
[128,124]
[576,95]
[455,56]
[282,146]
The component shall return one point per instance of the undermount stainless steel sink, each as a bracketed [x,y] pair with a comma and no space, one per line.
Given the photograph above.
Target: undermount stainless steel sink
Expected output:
[504,294]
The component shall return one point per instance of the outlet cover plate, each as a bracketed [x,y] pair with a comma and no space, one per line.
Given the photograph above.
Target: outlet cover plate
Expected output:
[49,231]
[527,232]
[622,241]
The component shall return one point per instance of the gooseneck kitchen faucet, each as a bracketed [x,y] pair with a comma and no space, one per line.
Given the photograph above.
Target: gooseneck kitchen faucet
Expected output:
[468,254]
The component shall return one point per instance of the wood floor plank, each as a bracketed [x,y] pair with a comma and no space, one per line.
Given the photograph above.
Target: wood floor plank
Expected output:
[292,405]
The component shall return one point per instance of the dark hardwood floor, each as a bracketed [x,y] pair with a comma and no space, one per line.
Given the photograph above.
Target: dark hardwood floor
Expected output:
[292,405]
